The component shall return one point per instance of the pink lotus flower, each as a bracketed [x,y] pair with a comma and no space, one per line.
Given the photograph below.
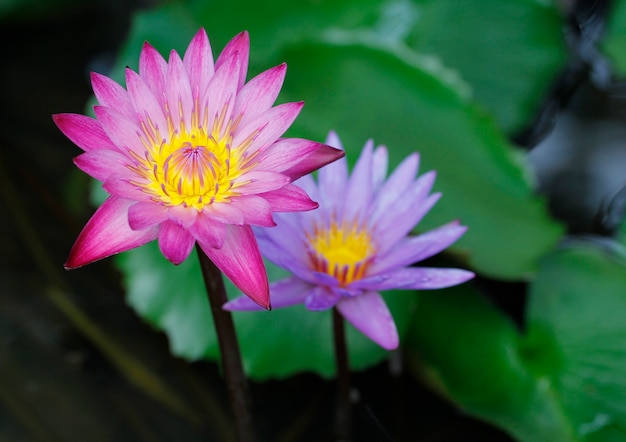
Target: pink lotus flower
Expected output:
[189,153]
[356,245]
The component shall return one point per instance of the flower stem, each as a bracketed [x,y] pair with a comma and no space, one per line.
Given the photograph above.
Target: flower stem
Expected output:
[232,367]
[343,410]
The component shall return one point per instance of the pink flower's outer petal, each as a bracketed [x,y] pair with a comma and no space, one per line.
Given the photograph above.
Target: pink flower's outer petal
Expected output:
[144,215]
[321,298]
[175,242]
[183,216]
[84,131]
[260,93]
[219,97]
[239,47]
[284,293]
[318,159]
[111,94]
[198,61]
[208,231]
[123,131]
[256,210]
[260,181]
[152,69]
[417,248]
[415,278]
[107,233]
[121,187]
[226,213]
[146,103]
[178,93]
[284,153]
[101,163]
[370,315]
[241,262]
[289,198]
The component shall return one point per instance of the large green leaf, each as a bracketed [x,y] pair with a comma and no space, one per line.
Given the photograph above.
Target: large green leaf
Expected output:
[563,380]
[173,299]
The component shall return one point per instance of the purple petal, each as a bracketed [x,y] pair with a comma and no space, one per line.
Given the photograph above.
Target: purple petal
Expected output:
[107,233]
[321,298]
[397,183]
[175,242]
[331,178]
[415,278]
[198,61]
[241,262]
[238,47]
[143,215]
[101,163]
[370,315]
[208,231]
[333,140]
[260,93]
[255,210]
[86,132]
[110,94]
[283,293]
[289,198]
[417,248]
[380,162]
[359,189]
[152,68]
[322,156]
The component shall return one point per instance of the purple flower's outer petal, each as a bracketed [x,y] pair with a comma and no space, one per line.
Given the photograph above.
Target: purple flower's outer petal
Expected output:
[321,298]
[397,183]
[333,140]
[380,162]
[256,210]
[415,278]
[198,61]
[370,315]
[152,69]
[284,293]
[239,47]
[289,198]
[175,242]
[84,131]
[107,233]
[111,94]
[332,177]
[417,248]
[322,156]
[144,215]
[260,93]
[359,189]
[208,231]
[100,163]
[241,262]
[267,127]
[308,184]
[259,181]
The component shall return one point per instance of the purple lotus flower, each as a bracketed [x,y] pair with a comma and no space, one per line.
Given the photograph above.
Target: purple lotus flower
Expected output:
[189,153]
[355,245]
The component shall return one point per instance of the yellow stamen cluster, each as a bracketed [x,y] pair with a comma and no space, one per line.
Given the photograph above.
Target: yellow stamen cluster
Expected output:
[191,166]
[341,250]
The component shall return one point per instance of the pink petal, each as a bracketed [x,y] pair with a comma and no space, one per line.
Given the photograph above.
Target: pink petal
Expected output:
[143,215]
[284,293]
[256,210]
[241,262]
[285,153]
[370,315]
[107,233]
[182,215]
[239,47]
[146,103]
[289,198]
[208,231]
[259,181]
[260,93]
[101,163]
[178,92]
[322,156]
[226,212]
[122,130]
[110,94]
[85,132]
[321,298]
[198,61]
[267,127]
[120,186]
[152,68]
[175,242]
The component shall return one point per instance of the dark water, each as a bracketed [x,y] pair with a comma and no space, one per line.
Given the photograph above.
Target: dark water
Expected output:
[64,335]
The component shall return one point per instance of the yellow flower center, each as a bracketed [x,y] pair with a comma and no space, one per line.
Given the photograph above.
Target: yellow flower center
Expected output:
[191,166]
[343,251]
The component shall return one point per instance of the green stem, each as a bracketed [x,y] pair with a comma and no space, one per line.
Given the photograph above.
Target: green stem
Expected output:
[343,410]
[232,366]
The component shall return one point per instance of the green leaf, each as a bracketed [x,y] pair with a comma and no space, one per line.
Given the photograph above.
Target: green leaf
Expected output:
[509,51]
[563,380]
[173,299]
[614,42]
